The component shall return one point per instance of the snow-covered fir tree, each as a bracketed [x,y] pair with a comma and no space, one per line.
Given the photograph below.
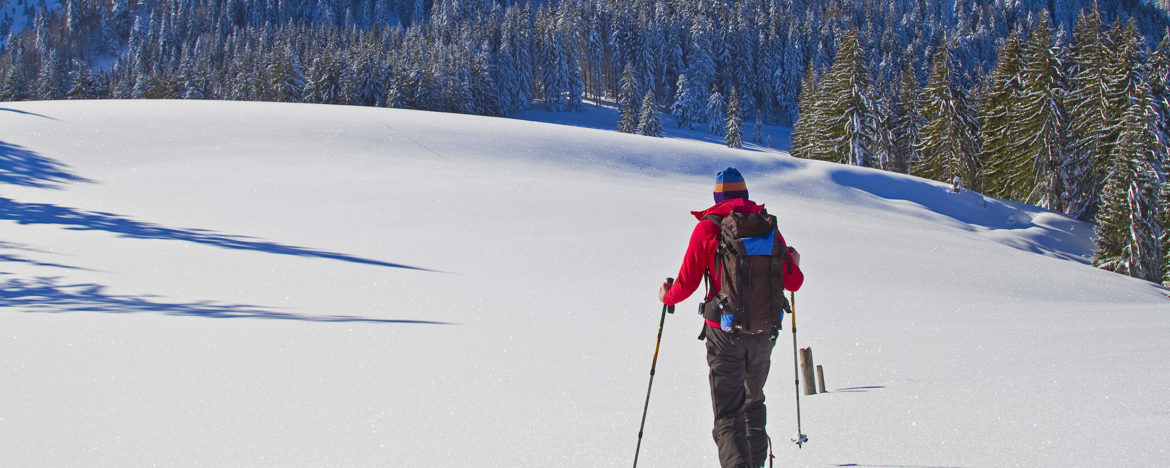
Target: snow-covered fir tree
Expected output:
[1039,122]
[1128,228]
[324,81]
[716,113]
[700,69]
[1164,221]
[734,120]
[13,87]
[998,130]
[758,128]
[286,77]
[805,137]
[1093,125]
[847,111]
[82,87]
[688,106]
[905,120]
[948,138]
[628,119]
[649,123]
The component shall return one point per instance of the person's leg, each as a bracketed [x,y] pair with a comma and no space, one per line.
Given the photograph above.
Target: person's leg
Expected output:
[759,359]
[725,357]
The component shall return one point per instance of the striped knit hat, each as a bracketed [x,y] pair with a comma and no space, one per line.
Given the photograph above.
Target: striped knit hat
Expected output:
[729,184]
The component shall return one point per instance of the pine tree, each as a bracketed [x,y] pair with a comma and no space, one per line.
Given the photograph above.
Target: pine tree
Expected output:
[13,88]
[649,123]
[515,76]
[734,121]
[687,107]
[325,81]
[805,132]
[49,80]
[700,69]
[594,60]
[788,74]
[82,87]
[396,92]
[1040,123]
[483,83]
[758,128]
[559,66]
[1092,125]
[948,138]
[847,111]
[997,130]
[906,122]
[506,71]
[194,84]
[1159,73]
[286,79]
[1164,221]
[628,120]
[716,113]
[418,14]
[1128,229]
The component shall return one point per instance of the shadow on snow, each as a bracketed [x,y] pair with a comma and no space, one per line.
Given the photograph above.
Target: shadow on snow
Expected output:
[34,114]
[891,466]
[48,295]
[1054,237]
[19,166]
[74,219]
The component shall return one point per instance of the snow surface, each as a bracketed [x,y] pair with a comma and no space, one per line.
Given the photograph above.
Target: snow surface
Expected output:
[245,284]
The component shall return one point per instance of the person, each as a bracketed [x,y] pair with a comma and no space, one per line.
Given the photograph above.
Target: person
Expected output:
[738,361]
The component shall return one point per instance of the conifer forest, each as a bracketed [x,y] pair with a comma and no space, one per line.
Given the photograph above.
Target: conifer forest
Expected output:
[1063,104]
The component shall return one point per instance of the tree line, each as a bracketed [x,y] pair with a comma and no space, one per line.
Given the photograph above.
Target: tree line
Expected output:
[1076,124]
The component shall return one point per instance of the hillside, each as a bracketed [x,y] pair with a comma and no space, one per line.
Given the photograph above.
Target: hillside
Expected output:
[190,283]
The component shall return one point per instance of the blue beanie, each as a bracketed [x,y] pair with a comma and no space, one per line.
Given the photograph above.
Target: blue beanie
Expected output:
[729,184]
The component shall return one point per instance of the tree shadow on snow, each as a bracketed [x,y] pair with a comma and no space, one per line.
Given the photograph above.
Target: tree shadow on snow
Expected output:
[19,259]
[48,295]
[79,220]
[34,114]
[863,465]
[858,389]
[20,166]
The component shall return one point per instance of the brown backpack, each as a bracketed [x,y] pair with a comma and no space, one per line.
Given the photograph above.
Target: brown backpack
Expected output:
[749,261]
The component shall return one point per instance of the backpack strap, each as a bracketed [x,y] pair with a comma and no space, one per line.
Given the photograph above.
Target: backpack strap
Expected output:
[728,242]
[780,261]
[708,279]
[745,291]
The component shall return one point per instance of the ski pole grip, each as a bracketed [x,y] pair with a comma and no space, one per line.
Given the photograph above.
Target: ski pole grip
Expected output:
[669,282]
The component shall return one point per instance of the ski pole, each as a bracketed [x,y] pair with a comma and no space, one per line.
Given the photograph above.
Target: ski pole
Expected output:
[799,438]
[653,365]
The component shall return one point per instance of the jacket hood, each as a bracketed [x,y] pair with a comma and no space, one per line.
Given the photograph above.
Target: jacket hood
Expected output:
[725,208]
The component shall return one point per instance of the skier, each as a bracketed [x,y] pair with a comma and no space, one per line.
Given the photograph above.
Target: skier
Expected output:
[739,359]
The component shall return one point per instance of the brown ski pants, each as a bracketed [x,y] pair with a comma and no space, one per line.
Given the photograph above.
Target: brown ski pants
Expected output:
[738,369]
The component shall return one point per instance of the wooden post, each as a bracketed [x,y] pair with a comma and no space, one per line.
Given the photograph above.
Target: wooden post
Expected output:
[820,379]
[806,367]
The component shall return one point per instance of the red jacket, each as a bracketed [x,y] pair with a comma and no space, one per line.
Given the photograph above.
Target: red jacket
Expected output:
[701,253]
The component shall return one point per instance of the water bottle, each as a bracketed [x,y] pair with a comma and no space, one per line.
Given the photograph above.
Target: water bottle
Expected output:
[725,320]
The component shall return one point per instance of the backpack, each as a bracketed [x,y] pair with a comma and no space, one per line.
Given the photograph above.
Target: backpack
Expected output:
[748,262]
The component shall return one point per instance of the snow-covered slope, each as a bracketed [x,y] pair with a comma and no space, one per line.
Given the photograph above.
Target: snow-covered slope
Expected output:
[243,284]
